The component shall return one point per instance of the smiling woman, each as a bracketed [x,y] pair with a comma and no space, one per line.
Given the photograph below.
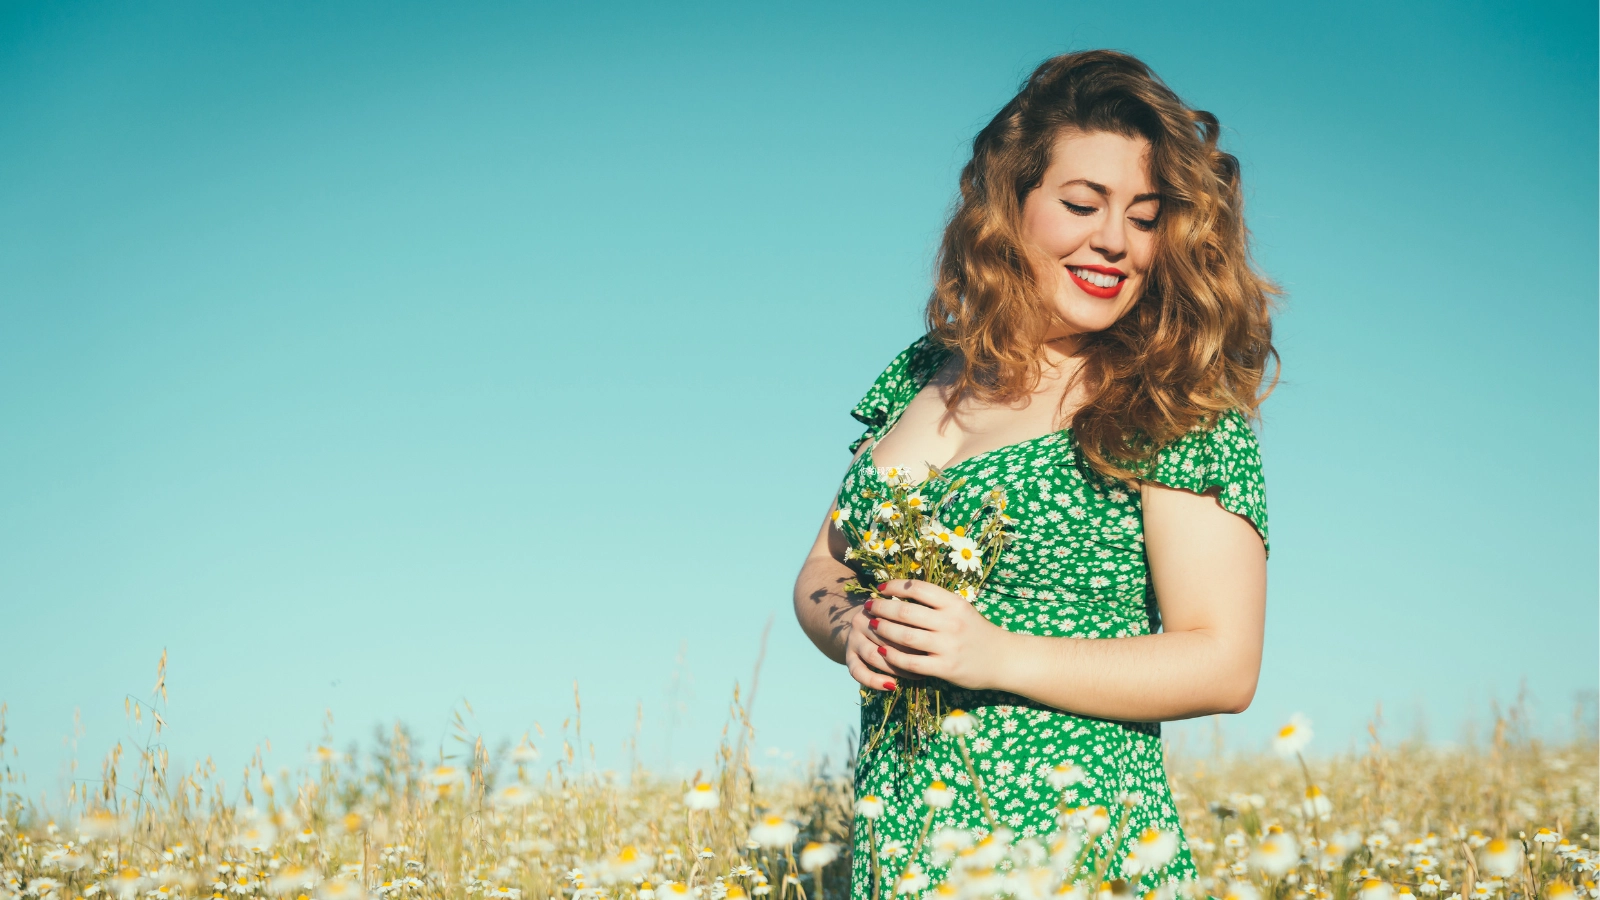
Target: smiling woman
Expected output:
[1097,341]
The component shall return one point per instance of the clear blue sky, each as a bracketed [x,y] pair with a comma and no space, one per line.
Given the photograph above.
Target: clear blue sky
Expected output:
[371,356]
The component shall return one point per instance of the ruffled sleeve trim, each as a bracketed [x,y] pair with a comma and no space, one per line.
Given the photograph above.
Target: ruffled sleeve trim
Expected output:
[1224,455]
[891,393]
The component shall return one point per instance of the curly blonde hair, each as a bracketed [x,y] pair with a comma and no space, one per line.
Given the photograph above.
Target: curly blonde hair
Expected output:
[1197,341]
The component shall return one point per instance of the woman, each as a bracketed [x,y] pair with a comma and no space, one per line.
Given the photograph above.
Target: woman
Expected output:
[1095,344]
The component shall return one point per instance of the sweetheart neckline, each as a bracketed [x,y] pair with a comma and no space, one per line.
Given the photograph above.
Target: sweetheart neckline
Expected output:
[872,462]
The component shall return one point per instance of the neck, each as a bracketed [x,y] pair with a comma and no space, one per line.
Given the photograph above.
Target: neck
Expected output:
[1059,350]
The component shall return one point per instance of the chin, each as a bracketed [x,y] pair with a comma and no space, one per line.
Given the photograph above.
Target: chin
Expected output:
[1086,315]
[1081,321]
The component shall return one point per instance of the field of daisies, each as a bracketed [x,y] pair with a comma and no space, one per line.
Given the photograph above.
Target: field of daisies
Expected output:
[1513,819]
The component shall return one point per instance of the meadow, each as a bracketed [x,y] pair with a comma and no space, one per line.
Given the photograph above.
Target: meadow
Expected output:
[1514,817]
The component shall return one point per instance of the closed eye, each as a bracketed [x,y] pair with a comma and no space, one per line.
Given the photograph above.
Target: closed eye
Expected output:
[1078,210]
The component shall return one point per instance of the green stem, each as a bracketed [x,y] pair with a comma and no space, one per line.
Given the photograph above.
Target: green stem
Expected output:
[977,783]
[1119,834]
[872,857]
[916,850]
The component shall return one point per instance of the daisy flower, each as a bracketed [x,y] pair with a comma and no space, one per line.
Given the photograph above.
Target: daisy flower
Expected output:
[626,865]
[701,797]
[1095,819]
[964,554]
[1316,804]
[1275,855]
[512,796]
[340,889]
[97,825]
[958,722]
[1375,889]
[1241,890]
[815,856]
[840,517]
[1502,857]
[947,842]
[1293,737]
[1064,775]
[1153,849]
[910,882]
[774,831]
[291,878]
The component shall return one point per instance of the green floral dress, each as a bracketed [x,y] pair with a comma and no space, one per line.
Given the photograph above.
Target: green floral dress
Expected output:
[1075,567]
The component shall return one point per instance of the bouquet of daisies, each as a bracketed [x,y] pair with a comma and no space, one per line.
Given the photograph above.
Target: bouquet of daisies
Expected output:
[905,530]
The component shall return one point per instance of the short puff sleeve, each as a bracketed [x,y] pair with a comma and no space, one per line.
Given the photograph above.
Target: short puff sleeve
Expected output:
[1225,455]
[891,393]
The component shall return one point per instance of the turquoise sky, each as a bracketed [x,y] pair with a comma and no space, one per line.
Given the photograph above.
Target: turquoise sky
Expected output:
[369,357]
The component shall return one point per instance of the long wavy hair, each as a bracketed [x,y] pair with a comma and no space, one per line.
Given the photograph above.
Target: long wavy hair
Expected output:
[1195,344]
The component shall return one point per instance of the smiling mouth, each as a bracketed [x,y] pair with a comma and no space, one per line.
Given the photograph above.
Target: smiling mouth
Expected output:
[1096,284]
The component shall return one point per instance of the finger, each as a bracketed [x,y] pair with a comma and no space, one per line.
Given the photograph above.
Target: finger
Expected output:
[875,637]
[870,651]
[914,663]
[927,594]
[867,677]
[904,612]
[904,637]
[867,628]
[876,661]
[874,652]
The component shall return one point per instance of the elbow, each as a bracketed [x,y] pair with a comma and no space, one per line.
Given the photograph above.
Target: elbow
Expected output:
[1237,693]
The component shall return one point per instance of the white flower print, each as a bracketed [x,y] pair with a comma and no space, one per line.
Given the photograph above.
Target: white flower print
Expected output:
[1075,568]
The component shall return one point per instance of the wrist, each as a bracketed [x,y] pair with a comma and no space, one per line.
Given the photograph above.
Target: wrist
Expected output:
[1008,666]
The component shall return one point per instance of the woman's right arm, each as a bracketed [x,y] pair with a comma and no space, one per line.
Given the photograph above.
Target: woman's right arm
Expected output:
[835,621]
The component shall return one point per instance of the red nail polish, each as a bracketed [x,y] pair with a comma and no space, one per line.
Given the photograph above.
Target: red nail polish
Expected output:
[883,651]
[873,624]
[869,606]
[882,586]
[888,685]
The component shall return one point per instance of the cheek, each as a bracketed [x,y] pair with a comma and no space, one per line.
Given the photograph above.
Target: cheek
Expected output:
[1059,237]
[1143,250]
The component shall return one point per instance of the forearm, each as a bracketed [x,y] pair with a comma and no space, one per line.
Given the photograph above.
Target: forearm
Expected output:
[822,606]
[1148,678]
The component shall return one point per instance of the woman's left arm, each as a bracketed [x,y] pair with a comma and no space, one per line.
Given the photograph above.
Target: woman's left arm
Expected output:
[1209,570]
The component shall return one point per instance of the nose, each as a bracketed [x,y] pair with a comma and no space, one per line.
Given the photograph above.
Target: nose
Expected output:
[1111,239]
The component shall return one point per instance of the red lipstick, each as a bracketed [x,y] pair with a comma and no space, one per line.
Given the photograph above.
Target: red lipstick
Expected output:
[1095,290]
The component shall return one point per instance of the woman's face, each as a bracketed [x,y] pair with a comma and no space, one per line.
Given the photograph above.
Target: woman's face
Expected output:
[1092,223]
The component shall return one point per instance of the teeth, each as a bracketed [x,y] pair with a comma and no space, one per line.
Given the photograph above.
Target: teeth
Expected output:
[1096,278]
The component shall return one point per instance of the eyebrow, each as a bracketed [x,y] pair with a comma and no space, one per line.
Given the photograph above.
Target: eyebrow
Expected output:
[1103,191]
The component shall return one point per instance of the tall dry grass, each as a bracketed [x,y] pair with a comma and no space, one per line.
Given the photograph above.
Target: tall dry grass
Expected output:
[1374,824]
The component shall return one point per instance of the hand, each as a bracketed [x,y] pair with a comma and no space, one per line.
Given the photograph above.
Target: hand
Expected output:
[934,633]
[864,653]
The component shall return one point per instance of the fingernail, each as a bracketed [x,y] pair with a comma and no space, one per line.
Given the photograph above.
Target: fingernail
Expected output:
[888,685]
[882,586]
[883,651]
[869,606]
[872,623]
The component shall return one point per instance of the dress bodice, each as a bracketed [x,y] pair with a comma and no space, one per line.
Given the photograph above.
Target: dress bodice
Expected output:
[1074,566]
